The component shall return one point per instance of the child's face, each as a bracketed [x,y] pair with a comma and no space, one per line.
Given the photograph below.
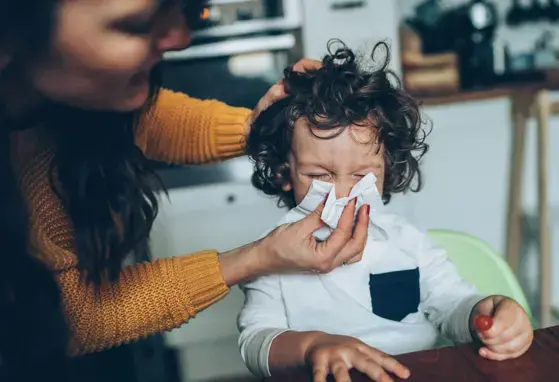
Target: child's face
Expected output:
[342,160]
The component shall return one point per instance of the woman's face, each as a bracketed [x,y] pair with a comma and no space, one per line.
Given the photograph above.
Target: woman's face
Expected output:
[102,51]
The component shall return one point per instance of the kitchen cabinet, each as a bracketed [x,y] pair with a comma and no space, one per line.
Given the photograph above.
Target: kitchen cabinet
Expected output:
[218,216]
[359,24]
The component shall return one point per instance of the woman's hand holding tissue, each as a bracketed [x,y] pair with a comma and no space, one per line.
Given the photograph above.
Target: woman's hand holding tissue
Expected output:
[292,247]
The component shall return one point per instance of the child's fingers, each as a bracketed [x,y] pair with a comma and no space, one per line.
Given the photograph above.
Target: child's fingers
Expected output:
[493,356]
[505,319]
[497,356]
[501,338]
[486,307]
[340,372]
[494,334]
[507,324]
[501,332]
[386,361]
[320,372]
[517,344]
[373,370]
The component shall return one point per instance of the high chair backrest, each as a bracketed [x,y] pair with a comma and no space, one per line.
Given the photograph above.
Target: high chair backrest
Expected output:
[479,264]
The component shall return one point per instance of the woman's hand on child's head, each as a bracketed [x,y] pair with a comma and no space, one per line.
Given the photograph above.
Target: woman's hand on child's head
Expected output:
[278,91]
[292,247]
[336,355]
[510,334]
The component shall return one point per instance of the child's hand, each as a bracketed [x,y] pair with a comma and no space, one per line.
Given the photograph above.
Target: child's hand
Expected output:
[511,333]
[332,354]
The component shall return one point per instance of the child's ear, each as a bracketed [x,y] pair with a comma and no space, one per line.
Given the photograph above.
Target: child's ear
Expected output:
[286,187]
[283,177]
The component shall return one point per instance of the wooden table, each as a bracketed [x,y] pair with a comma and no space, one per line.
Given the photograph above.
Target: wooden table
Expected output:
[462,364]
[526,101]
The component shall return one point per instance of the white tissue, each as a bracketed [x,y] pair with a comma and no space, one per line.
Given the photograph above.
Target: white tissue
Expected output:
[365,191]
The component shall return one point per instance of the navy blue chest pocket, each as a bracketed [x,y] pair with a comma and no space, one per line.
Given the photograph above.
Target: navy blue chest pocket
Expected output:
[396,294]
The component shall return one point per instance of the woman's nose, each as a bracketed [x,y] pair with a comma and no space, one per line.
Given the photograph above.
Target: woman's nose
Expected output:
[174,33]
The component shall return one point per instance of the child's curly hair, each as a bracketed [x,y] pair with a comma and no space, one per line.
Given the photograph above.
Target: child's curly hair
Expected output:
[339,94]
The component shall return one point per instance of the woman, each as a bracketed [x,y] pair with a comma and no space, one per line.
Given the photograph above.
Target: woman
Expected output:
[81,112]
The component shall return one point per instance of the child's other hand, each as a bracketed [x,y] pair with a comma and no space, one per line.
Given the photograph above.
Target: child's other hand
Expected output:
[511,334]
[333,354]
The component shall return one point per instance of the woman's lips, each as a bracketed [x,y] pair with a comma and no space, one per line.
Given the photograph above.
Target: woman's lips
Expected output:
[140,78]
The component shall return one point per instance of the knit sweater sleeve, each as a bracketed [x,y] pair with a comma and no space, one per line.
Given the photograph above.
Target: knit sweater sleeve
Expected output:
[179,129]
[148,298]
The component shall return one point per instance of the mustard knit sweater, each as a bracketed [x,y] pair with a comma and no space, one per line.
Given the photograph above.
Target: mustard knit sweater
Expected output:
[149,297]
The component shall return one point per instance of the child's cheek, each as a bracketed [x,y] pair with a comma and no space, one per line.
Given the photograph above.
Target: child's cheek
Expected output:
[300,188]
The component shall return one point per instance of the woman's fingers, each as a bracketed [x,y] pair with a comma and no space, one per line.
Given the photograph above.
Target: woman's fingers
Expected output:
[345,244]
[306,64]
[274,94]
[312,221]
[343,232]
[353,250]
[278,91]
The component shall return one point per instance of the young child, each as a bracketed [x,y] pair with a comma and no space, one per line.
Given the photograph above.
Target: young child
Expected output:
[348,135]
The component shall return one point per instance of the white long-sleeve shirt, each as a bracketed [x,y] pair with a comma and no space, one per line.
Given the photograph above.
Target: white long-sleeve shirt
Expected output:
[399,298]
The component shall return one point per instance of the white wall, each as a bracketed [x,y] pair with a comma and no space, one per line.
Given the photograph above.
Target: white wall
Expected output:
[467,172]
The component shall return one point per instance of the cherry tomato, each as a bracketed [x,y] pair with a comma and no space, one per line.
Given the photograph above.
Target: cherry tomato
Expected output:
[483,323]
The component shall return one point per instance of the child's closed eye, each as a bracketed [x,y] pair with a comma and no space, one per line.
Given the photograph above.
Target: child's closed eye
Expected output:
[319,176]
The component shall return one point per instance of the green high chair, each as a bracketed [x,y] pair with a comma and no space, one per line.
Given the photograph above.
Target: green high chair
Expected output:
[479,264]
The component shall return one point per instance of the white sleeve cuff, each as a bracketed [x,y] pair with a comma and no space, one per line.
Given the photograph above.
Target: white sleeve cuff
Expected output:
[256,350]
[458,326]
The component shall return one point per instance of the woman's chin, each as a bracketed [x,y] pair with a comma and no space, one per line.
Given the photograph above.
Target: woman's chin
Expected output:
[136,99]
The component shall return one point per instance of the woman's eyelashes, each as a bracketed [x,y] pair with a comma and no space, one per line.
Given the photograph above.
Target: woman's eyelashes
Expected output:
[139,29]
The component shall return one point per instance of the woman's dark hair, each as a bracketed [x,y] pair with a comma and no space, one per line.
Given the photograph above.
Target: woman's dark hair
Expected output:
[342,92]
[33,333]
[105,183]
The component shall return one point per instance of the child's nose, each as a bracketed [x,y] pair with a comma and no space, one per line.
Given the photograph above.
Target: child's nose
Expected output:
[343,188]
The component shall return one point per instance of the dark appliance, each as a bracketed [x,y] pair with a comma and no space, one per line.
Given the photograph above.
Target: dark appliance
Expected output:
[471,28]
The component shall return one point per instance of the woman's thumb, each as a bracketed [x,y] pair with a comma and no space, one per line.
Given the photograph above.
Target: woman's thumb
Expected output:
[313,221]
